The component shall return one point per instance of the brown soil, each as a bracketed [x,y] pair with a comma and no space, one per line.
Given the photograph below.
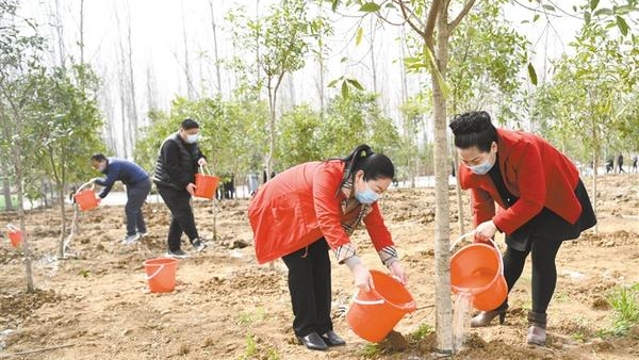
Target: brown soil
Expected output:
[225,306]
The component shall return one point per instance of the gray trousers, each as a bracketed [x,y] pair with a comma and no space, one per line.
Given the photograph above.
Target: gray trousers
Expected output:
[136,194]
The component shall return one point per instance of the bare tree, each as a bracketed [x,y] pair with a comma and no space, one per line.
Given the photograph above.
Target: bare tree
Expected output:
[187,71]
[218,65]
[133,112]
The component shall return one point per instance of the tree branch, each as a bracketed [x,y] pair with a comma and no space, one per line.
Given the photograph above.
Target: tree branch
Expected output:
[469,5]
[430,24]
[407,18]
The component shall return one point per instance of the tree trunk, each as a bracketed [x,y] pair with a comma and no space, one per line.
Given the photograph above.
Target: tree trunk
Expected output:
[60,32]
[133,109]
[218,66]
[187,69]
[271,147]
[443,307]
[17,163]
[8,203]
[63,217]
[81,42]
[595,163]
[372,51]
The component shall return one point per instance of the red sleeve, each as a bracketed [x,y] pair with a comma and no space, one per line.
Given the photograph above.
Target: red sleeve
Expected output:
[531,182]
[483,205]
[326,181]
[377,230]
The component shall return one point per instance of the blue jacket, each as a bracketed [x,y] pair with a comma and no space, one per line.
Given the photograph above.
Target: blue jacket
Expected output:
[121,170]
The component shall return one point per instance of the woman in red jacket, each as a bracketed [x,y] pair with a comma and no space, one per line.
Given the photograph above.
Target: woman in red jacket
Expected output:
[304,211]
[542,202]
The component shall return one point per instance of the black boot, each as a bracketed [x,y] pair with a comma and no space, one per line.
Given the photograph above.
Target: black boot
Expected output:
[484,318]
[536,329]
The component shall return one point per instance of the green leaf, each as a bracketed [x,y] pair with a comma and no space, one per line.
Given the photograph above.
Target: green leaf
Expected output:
[344,90]
[369,7]
[532,74]
[548,7]
[587,17]
[593,4]
[355,84]
[536,17]
[604,11]
[623,26]
[334,5]
[358,37]
[343,59]
[332,83]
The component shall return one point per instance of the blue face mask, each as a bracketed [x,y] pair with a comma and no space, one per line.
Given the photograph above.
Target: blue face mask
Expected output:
[192,138]
[367,196]
[481,169]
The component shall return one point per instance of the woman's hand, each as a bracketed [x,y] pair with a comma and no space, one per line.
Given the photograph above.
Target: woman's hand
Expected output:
[485,231]
[397,270]
[363,278]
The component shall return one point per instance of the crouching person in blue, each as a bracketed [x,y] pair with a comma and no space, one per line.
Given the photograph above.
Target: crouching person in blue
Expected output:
[138,185]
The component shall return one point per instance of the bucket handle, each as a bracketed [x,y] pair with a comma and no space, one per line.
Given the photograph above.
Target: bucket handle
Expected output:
[158,271]
[367,302]
[501,260]
[205,170]
[12,228]
[85,185]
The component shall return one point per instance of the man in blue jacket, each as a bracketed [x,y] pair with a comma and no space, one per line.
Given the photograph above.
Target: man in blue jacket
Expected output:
[138,185]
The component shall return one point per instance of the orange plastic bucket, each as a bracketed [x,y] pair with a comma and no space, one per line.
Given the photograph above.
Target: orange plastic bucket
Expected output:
[160,274]
[205,185]
[374,314]
[15,235]
[478,269]
[86,199]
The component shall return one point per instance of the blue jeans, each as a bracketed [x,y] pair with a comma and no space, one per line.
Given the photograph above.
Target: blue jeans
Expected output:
[136,194]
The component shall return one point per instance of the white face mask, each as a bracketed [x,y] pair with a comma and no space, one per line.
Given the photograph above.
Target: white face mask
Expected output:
[192,138]
[483,168]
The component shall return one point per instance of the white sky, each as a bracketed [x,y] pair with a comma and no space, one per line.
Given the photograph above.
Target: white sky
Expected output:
[157,36]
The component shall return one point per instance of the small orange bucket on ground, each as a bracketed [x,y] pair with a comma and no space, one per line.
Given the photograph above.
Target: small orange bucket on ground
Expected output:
[15,235]
[86,198]
[205,184]
[374,314]
[160,274]
[478,269]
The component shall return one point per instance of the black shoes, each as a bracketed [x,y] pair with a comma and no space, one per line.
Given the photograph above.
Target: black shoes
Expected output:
[332,339]
[313,341]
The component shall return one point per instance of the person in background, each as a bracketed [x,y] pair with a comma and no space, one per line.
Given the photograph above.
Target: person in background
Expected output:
[634,164]
[620,163]
[609,165]
[542,201]
[138,186]
[174,177]
[311,207]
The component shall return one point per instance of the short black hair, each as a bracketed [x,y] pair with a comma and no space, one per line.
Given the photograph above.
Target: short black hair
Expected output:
[188,124]
[473,129]
[98,157]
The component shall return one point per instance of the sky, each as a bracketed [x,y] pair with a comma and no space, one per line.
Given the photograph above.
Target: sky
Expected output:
[157,32]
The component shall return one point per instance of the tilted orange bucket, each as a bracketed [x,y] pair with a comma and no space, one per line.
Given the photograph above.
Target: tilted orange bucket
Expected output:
[478,269]
[374,314]
[160,274]
[15,235]
[205,185]
[86,199]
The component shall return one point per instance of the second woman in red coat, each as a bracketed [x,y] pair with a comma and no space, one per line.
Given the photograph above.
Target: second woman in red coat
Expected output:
[542,199]
[303,212]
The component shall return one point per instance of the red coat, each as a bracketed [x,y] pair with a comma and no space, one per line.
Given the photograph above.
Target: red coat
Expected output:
[534,171]
[303,204]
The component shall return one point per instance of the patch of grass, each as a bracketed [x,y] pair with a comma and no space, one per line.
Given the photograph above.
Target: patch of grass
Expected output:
[251,317]
[561,297]
[84,273]
[370,351]
[422,331]
[251,347]
[625,305]
[273,354]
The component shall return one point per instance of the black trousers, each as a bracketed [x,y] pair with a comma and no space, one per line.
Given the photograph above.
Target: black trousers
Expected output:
[544,270]
[182,220]
[136,195]
[309,282]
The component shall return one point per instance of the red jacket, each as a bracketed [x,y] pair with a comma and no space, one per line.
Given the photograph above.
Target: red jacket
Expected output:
[302,204]
[534,171]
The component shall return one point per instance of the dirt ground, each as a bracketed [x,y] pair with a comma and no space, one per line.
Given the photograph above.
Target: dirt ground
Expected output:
[225,306]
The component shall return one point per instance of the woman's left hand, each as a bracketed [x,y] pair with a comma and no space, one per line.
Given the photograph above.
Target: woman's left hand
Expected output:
[397,270]
[486,230]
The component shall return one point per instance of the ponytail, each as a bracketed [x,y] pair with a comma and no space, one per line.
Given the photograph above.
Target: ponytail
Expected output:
[355,159]
[375,166]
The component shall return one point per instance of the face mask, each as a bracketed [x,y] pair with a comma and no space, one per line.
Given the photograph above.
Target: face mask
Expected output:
[192,138]
[367,196]
[481,169]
